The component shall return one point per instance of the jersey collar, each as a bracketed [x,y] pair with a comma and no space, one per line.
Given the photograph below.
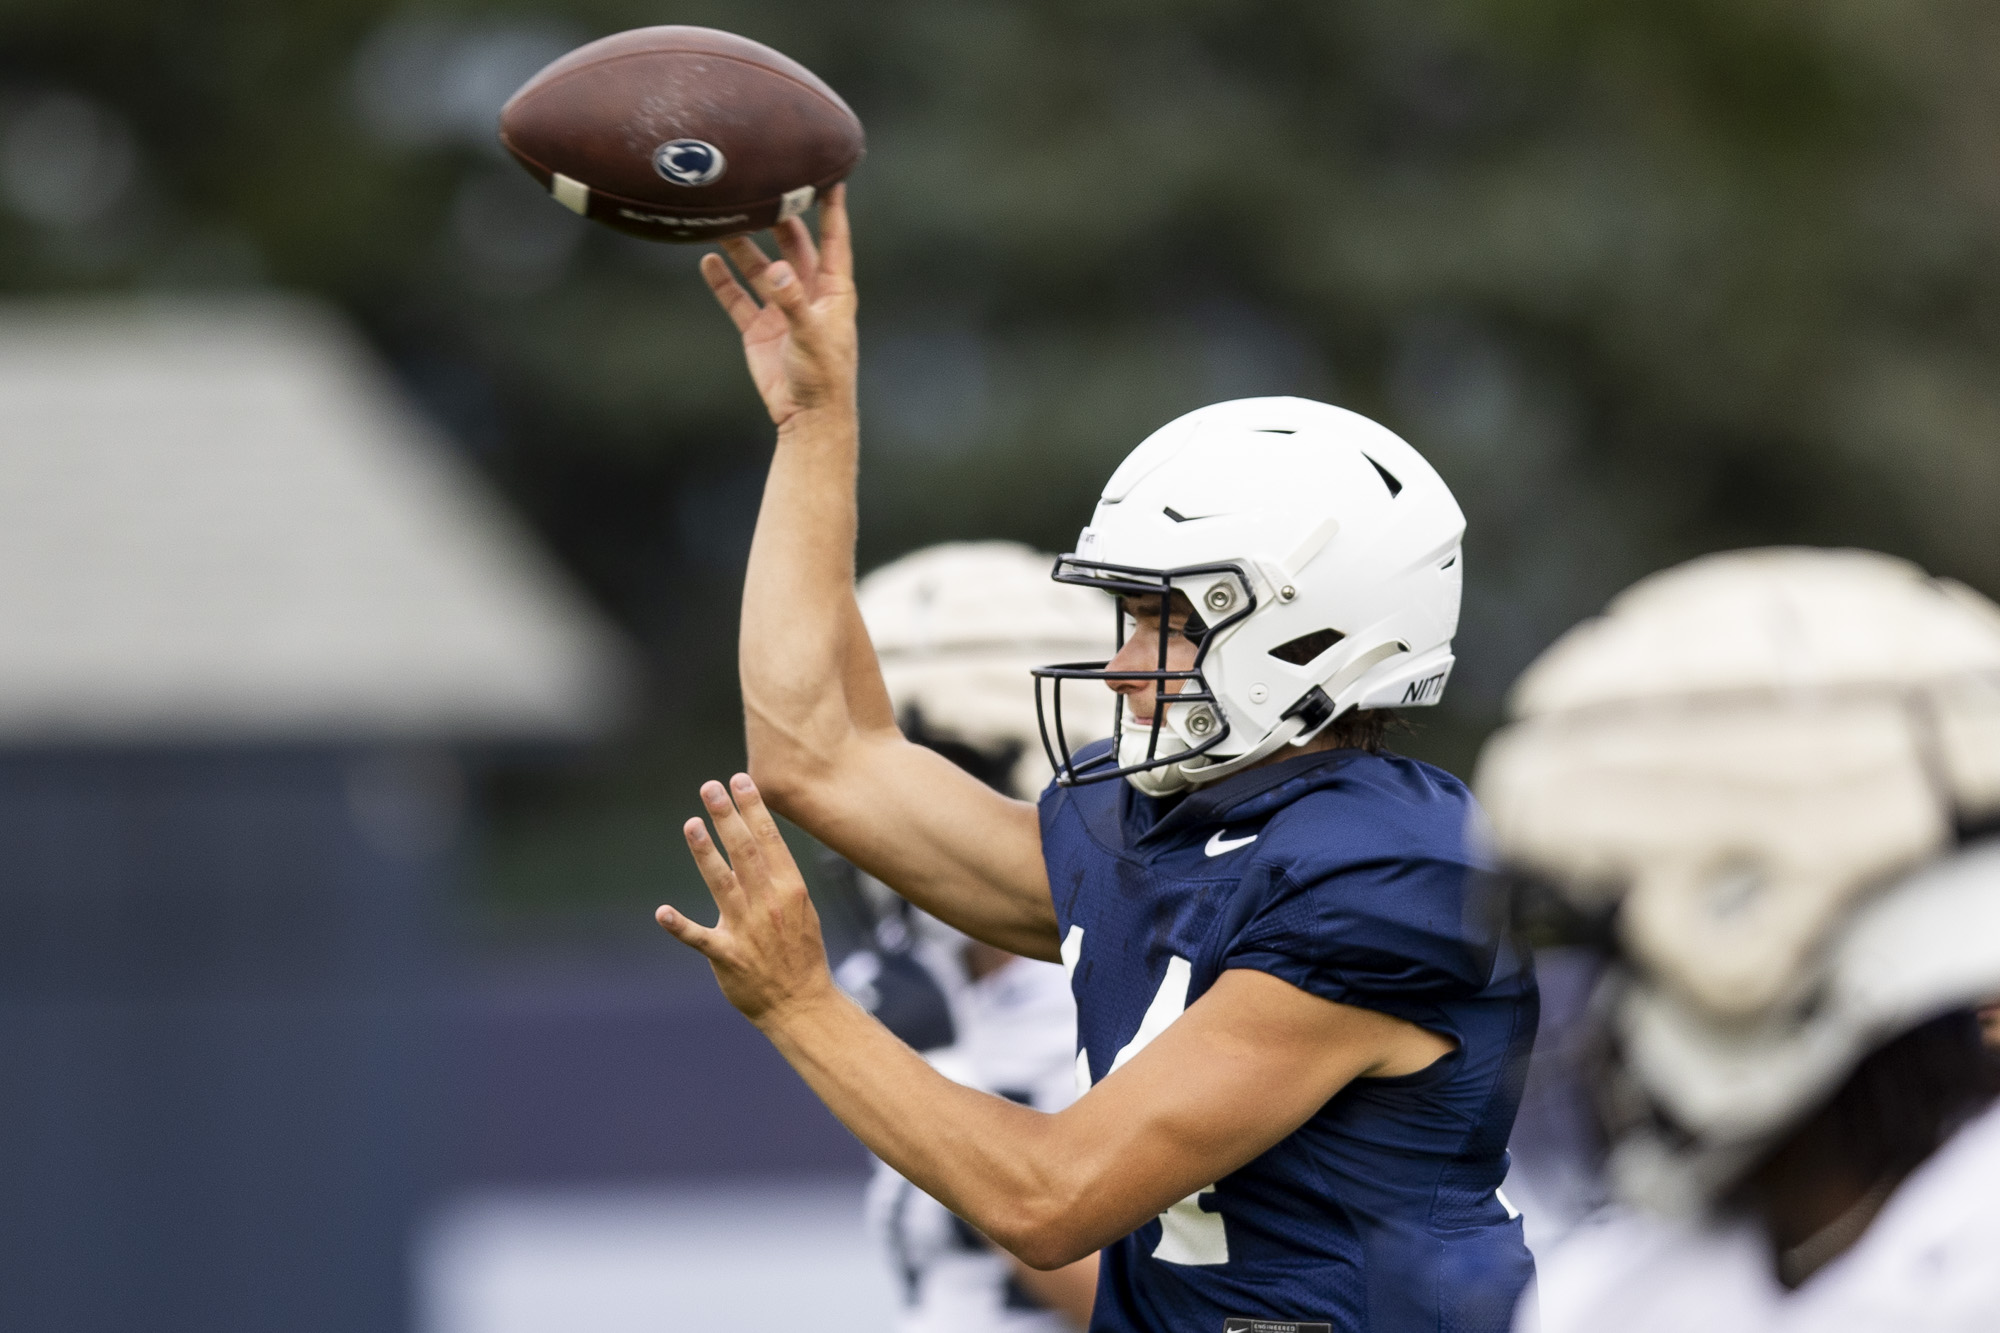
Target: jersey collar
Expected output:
[1245,796]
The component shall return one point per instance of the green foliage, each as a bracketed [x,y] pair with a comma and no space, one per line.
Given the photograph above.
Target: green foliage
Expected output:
[1644,280]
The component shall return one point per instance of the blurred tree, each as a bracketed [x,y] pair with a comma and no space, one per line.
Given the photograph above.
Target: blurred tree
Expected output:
[1643,279]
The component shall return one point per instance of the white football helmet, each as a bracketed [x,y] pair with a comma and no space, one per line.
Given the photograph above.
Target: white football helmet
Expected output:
[1739,782]
[1320,554]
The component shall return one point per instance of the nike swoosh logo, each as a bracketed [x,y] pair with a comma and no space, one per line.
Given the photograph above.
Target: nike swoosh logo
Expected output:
[1218,844]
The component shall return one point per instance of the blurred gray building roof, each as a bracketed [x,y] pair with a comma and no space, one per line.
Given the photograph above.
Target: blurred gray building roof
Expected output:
[219,522]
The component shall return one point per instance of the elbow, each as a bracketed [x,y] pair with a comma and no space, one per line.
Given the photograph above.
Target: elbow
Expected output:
[782,780]
[1052,1249]
[792,767]
[1043,1234]
[802,775]
[776,757]
[1056,1253]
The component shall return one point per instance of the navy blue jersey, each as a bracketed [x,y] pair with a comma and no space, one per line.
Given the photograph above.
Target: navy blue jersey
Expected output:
[1350,876]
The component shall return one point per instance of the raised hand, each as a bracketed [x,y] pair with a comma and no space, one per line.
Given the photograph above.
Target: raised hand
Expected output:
[800,341]
[766,949]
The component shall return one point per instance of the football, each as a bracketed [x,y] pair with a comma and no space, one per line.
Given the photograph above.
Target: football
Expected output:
[681,133]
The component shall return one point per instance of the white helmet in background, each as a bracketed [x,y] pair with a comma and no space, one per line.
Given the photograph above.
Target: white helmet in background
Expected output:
[1320,554]
[957,628]
[1741,779]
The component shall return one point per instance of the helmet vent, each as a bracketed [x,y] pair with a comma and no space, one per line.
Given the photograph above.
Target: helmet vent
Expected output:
[1388,478]
[1274,430]
[1306,647]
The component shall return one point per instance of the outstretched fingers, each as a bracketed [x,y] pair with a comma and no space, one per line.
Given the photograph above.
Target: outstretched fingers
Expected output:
[724,885]
[757,817]
[734,832]
[795,243]
[836,239]
[774,281]
[738,304]
[702,939]
[747,255]
[766,948]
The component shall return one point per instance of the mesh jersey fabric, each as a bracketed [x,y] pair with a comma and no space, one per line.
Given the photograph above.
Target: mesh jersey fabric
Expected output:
[1350,875]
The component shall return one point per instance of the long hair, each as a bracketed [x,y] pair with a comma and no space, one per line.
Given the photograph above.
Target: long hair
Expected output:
[1365,729]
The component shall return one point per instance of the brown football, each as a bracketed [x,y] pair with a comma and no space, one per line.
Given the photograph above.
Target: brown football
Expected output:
[681,133]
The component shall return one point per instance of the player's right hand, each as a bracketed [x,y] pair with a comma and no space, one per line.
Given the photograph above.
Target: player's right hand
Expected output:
[800,342]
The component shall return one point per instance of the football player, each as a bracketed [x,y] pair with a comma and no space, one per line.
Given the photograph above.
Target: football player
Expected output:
[1302,1032]
[1763,787]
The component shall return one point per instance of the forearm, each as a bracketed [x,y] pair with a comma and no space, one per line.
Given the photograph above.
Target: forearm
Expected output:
[808,675]
[1004,1168]
[1052,1188]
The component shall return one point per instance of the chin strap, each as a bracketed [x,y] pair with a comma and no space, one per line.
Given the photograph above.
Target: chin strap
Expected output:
[1310,713]
[1287,731]
[1313,711]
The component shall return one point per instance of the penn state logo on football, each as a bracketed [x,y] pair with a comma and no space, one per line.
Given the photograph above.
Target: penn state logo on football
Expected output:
[689,161]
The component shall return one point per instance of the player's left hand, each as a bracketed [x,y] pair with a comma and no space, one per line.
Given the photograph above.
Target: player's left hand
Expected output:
[766,949]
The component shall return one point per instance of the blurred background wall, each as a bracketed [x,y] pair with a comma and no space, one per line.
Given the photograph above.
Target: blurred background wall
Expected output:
[1643,280]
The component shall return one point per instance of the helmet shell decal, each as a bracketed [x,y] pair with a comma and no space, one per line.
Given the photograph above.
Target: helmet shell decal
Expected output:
[689,162]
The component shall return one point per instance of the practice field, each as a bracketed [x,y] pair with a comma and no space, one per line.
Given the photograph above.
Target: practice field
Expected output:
[718,1257]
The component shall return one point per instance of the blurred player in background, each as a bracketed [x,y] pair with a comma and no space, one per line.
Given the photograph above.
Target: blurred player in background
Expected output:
[956,628]
[1302,1032]
[1766,787]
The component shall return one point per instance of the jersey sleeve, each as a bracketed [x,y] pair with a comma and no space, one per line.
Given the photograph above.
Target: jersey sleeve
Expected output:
[1395,934]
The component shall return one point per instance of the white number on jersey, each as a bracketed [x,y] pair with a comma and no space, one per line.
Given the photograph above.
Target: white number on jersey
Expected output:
[1188,1234]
